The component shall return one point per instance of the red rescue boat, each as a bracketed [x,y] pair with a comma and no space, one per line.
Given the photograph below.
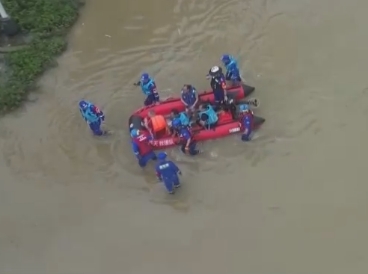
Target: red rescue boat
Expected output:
[226,124]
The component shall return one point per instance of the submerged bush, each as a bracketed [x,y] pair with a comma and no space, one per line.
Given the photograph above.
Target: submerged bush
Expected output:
[46,22]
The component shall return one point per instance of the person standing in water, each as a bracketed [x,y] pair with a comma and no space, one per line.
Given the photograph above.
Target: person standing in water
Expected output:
[93,116]
[141,147]
[167,172]
[149,89]
[232,70]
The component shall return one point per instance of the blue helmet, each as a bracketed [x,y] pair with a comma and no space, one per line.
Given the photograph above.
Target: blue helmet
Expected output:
[244,108]
[176,123]
[161,155]
[226,59]
[83,104]
[145,77]
[134,133]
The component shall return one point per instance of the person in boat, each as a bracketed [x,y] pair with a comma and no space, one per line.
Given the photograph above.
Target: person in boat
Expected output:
[182,116]
[188,145]
[207,116]
[156,125]
[93,116]
[218,85]
[141,147]
[149,89]
[247,121]
[167,172]
[189,98]
[232,71]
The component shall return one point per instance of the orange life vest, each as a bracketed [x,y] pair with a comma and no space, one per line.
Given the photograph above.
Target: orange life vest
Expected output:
[158,123]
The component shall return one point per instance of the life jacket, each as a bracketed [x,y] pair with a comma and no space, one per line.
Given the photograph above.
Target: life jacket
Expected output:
[184,119]
[212,115]
[146,87]
[89,115]
[218,82]
[143,144]
[189,97]
[230,66]
[158,123]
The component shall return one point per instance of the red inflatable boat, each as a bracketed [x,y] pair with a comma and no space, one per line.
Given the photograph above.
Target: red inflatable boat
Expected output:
[226,124]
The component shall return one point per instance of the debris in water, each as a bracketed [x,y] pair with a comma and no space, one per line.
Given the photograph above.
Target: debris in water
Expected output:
[107,35]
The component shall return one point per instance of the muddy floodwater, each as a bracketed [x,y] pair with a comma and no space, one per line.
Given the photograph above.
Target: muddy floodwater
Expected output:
[294,201]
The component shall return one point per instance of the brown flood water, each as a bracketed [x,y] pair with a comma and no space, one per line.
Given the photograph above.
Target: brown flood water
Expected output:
[292,202]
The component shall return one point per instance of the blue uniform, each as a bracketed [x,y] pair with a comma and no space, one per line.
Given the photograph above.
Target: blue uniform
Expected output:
[167,172]
[247,123]
[185,135]
[232,70]
[141,147]
[209,116]
[189,98]
[93,116]
[149,89]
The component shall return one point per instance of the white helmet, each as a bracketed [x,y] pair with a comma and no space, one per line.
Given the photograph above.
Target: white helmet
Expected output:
[215,69]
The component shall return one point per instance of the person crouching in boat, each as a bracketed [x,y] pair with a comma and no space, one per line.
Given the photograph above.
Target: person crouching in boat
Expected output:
[141,147]
[182,116]
[247,121]
[149,89]
[207,116]
[189,98]
[232,71]
[188,145]
[218,85]
[156,125]
[167,172]
[93,116]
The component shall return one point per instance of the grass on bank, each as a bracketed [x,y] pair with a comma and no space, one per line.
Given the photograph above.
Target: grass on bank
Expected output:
[46,23]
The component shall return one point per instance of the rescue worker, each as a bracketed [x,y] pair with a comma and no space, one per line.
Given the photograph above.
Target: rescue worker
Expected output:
[141,147]
[93,116]
[149,89]
[182,116]
[218,85]
[189,98]
[207,116]
[232,70]
[188,145]
[247,122]
[167,172]
[156,125]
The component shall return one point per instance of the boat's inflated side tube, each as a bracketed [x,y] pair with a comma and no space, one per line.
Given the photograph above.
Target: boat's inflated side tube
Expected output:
[247,90]
[136,122]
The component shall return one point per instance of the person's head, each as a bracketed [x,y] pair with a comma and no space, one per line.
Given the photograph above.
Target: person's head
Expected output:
[161,156]
[151,113]
[174,113]
[83,105]
[145,78]
[186,88]
[215,71]
[226,59]
[134,133]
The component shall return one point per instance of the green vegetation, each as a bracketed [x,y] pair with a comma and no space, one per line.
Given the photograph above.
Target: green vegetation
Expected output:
[45,23]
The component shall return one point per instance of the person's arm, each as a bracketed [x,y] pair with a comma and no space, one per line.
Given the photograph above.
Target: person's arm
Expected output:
[155,92]
[175,167]
[98,112]
[136,150]
[196,96]
[182,100]
[158,173]
[137,83]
